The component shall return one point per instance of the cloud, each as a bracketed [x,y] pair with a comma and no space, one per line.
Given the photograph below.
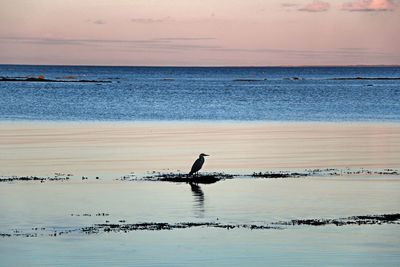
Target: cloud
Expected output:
[185,39]
[193,44]
[289,4]
[316,6]
[171,44]
[149,20]
[369,5]
[97,21]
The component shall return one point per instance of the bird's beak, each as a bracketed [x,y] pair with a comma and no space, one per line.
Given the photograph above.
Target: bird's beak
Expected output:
[206,155]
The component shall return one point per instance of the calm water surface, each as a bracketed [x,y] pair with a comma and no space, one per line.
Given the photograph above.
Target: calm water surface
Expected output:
[234,201]
[201,94]
[112,150]
[160,119]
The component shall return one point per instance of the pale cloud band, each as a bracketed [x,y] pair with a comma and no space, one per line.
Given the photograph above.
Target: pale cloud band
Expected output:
[316,6]
[355,5]
[369,5]
[192,44]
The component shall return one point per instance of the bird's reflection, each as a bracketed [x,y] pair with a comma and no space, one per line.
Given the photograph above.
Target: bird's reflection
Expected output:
[198,196]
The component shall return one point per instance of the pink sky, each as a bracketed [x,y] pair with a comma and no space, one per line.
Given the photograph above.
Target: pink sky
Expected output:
[200,32]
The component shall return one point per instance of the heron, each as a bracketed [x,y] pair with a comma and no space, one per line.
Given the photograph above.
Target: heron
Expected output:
[198,164]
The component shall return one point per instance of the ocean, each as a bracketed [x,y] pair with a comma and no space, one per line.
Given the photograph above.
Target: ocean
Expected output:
[330,94]
[329,135]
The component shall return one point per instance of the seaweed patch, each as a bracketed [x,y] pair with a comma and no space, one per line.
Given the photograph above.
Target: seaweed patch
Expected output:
[354,220]
[123,227]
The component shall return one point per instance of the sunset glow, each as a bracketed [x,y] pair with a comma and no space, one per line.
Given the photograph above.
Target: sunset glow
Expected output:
[208,32]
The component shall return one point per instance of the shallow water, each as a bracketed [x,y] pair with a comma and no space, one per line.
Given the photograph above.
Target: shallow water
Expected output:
[232,201]
[97,129]
[111,150]
[50,205]
[304,247]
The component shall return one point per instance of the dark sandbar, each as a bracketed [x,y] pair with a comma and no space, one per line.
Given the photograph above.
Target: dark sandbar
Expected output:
[33,79]
[184,178]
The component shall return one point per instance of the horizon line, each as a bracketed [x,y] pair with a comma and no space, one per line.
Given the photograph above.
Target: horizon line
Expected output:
[202,66]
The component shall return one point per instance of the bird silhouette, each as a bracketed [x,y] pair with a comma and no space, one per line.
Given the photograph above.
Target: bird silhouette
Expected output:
[198,164]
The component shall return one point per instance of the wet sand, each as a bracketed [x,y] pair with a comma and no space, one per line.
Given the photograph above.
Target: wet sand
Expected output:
[116,149]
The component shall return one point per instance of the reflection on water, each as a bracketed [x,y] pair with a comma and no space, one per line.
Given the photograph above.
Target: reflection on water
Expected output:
[198,200]
[233,201]
[110,150]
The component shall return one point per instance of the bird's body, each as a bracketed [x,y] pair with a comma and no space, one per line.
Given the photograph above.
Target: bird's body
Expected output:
[198,164]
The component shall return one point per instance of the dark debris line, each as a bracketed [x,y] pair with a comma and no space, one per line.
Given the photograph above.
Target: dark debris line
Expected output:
[97,228]
[393,219]
[32,178]
[354,220]
[209,178]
